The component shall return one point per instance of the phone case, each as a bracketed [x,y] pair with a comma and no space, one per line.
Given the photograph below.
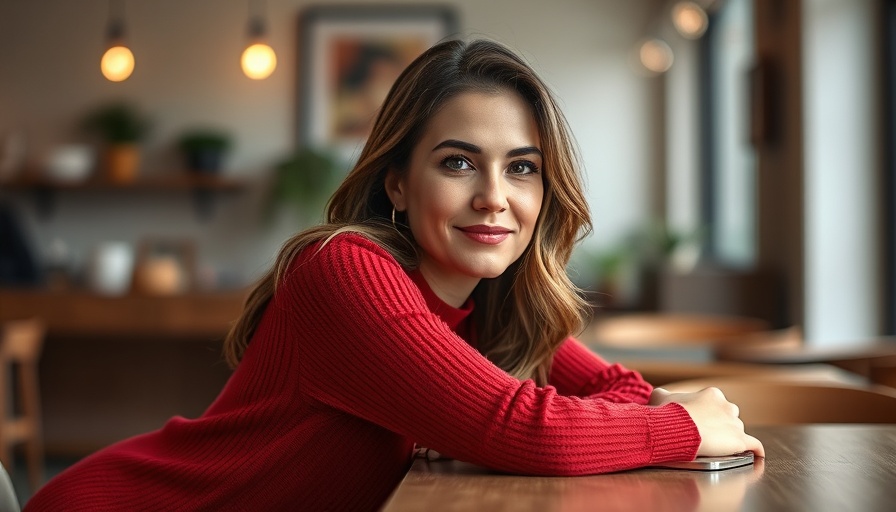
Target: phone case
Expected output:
[710,463]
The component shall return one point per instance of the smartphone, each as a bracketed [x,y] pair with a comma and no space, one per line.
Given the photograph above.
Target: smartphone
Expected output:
[710,463]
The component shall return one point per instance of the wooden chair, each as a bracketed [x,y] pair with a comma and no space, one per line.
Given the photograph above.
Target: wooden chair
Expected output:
[771,401]
[882,371]
[653,330]
[20,423]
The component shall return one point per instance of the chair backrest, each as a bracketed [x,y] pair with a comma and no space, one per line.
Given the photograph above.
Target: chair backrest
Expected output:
[21,343]
[8,500]
[643,330]
[22,340]
[771,401]
[882,371]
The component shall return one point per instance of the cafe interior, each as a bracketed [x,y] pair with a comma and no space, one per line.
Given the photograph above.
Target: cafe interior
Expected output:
[739,163]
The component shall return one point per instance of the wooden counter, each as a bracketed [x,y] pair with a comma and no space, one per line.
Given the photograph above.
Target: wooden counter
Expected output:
[77,313]
[113,367]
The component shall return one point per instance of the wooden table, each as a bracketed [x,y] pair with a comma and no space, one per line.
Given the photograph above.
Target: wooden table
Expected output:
[873,359]
[808,467]
[660,373]
[808,354]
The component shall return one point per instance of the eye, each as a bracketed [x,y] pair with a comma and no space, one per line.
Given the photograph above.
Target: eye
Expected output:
[457,163]
[522,167]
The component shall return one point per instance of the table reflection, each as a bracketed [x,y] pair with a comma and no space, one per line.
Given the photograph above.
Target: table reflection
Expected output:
[808,467]
[643,489]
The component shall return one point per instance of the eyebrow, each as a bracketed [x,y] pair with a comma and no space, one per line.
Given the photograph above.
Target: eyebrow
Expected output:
[472,148]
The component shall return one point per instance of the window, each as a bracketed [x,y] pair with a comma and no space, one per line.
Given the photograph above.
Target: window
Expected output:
[729,174]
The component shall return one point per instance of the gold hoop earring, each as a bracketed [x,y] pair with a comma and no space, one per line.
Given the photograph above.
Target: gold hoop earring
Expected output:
[393,218]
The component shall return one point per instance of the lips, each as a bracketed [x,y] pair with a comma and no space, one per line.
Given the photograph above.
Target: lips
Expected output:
[484,234]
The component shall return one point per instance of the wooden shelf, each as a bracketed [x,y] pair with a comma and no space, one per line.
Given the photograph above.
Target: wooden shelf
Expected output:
[183,180]
[203,187]
[79,313]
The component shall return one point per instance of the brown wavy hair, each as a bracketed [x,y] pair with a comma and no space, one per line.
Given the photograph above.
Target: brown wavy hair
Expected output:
[521,316]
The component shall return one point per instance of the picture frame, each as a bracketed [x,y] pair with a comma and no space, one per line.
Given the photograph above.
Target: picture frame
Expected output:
[349,56]
[165,266]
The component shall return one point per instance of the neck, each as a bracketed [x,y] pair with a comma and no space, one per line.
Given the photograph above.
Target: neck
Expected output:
[452,289]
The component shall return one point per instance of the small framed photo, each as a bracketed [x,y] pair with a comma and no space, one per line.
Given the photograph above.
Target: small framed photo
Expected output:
[349,57]
[165,266]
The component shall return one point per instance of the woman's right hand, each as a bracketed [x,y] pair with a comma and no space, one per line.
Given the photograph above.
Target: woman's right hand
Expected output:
[721,431]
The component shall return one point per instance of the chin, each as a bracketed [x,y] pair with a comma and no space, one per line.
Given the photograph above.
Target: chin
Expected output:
[489,272]
[484,266]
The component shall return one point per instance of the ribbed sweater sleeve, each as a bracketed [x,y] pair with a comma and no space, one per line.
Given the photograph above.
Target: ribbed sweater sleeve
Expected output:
[577,371]
[380,354]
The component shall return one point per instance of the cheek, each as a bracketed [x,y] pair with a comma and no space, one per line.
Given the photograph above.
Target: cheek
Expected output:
[529,203]
[432,205]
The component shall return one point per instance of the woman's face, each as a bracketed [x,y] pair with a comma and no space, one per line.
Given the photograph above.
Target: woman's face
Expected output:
[473,190]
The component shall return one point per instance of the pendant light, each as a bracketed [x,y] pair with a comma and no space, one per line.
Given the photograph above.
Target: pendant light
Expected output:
[258,60]
[690,19]
[656,55]
[117,63]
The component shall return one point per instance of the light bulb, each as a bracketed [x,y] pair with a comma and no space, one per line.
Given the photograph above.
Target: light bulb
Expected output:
[258,61]
[689,19]
[117,63]
[656,55]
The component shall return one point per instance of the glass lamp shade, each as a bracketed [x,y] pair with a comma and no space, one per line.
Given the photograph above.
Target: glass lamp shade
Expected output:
[117,63]
[258,61]
[690,19]
[656,55]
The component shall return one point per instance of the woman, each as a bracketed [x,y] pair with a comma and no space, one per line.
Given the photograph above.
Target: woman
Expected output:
[432,309]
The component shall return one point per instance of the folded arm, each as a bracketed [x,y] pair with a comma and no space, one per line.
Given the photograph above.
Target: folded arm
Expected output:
[384,357]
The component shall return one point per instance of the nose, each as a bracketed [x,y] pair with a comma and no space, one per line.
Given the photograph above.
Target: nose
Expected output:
[491,193]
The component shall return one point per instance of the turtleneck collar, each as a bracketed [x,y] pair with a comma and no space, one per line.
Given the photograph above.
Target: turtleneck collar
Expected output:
[449,314]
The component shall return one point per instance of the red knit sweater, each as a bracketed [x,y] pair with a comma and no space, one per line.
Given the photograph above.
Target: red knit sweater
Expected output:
[353,362]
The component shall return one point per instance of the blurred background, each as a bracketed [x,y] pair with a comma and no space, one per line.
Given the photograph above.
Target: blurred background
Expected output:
[738,156]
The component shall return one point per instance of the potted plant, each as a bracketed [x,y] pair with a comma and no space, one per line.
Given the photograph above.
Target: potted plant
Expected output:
[122,127]
[204,149]
[304,181]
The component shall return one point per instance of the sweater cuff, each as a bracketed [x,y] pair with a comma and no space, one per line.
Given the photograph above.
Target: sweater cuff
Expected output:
[673,434]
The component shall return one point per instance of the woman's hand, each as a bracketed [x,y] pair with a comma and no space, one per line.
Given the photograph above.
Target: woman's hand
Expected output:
[659,397]
[721,431]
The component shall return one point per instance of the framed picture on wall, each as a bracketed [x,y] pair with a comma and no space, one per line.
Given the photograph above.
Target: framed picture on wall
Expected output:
[349,57]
